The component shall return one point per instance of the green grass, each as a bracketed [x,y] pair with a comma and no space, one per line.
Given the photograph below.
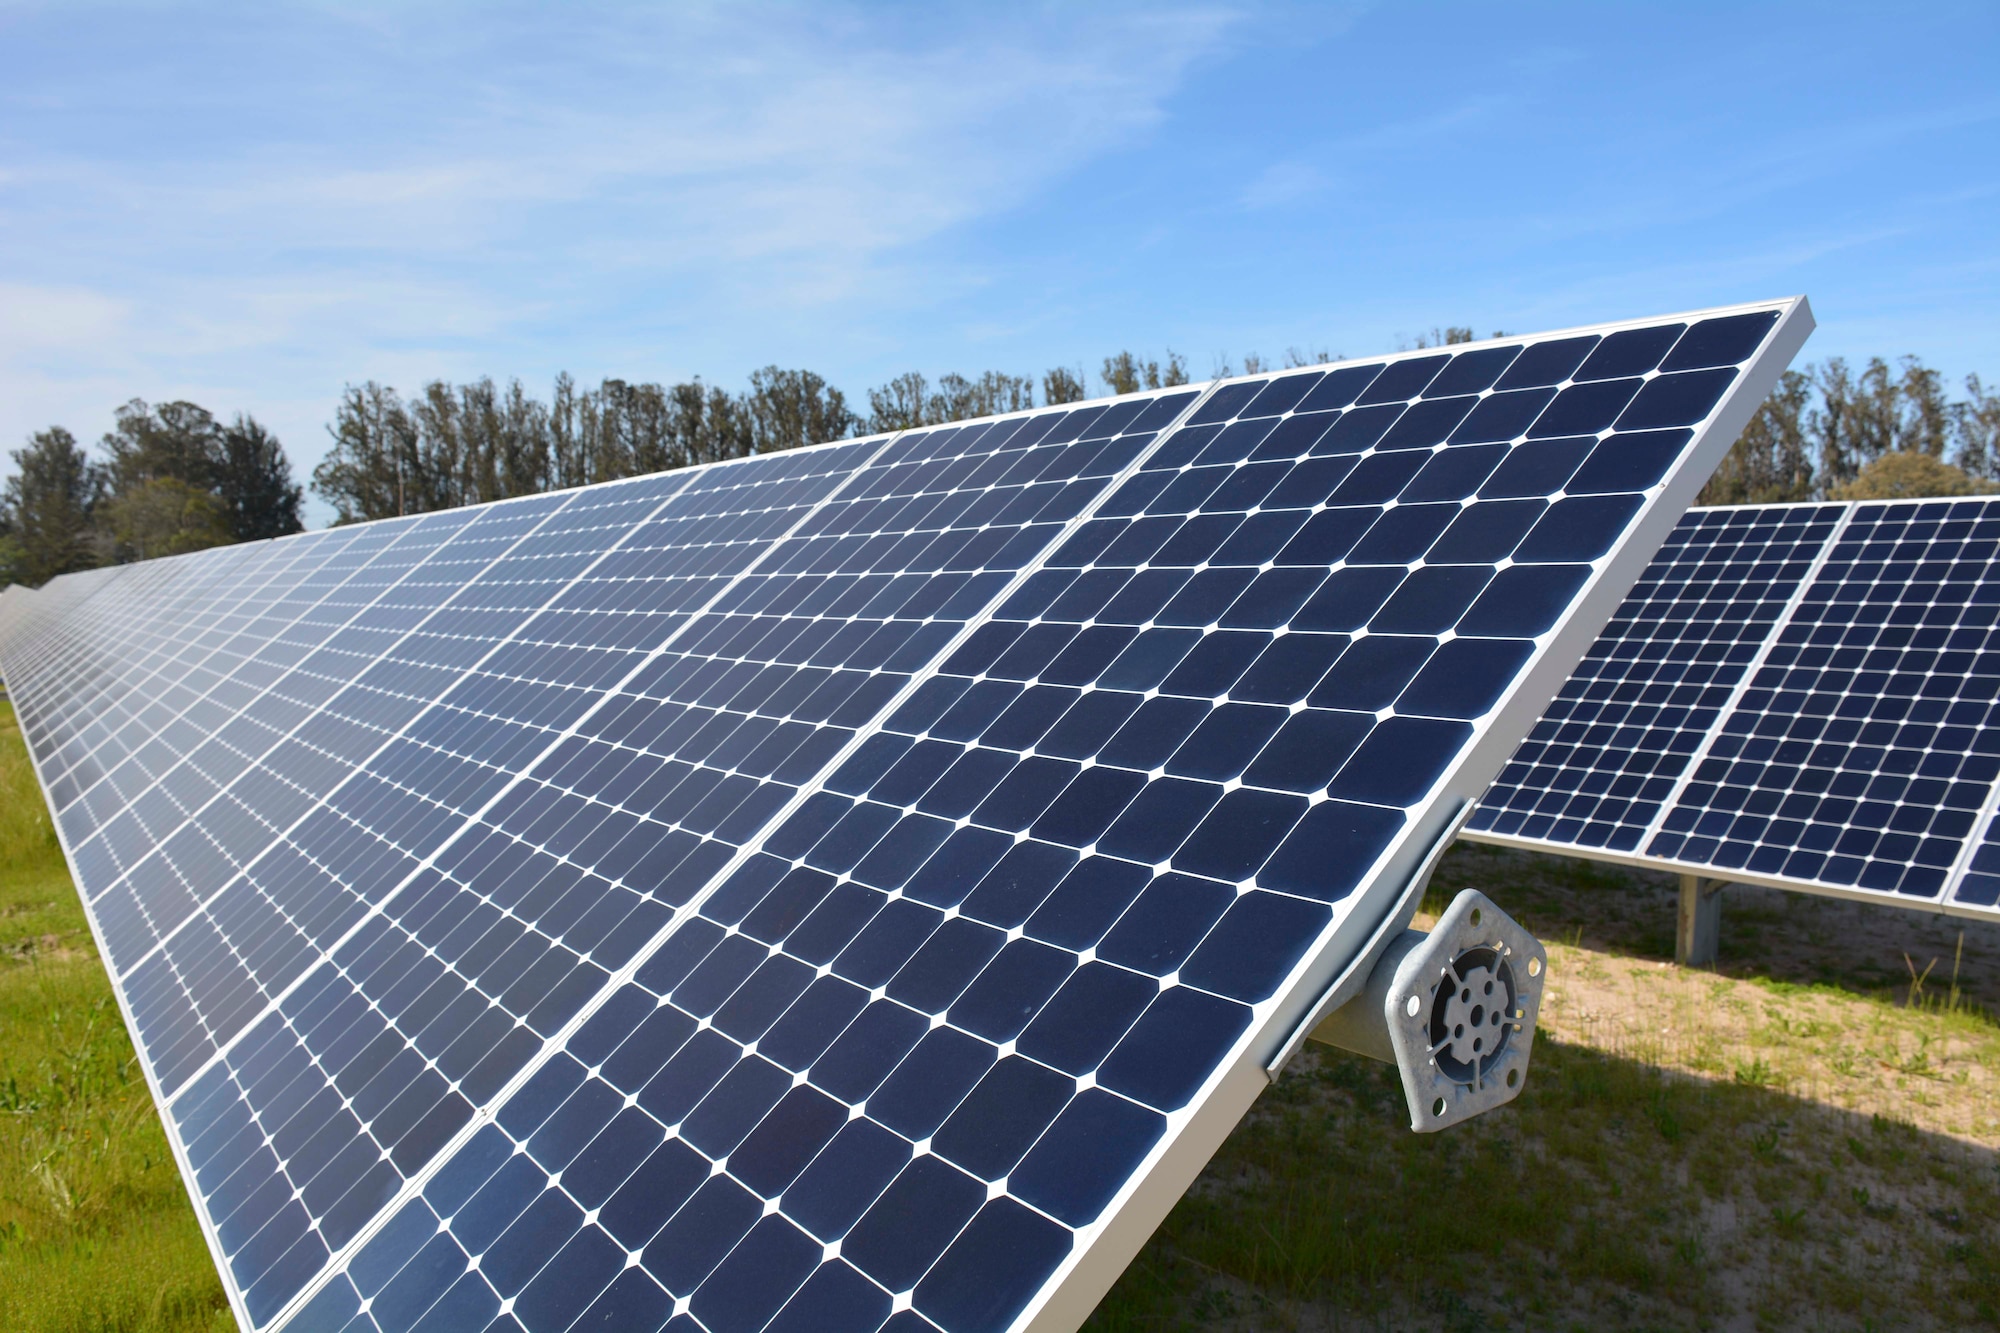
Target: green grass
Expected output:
[96,1232]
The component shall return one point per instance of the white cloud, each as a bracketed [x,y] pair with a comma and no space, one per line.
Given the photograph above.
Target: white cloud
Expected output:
[415,190]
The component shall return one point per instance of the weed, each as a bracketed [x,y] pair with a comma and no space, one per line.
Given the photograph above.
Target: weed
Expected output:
[1756,1074]
[1665,1120]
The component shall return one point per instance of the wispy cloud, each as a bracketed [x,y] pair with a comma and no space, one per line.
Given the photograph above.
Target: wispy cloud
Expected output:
[374,181]
[1283,183]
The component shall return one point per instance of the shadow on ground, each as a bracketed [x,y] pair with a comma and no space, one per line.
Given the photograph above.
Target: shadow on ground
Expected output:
[1868,948]
[1611,1195]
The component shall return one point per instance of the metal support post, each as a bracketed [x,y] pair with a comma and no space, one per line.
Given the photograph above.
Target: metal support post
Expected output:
[1699,927]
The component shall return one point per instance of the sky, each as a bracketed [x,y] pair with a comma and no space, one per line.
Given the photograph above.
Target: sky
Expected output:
[253,206]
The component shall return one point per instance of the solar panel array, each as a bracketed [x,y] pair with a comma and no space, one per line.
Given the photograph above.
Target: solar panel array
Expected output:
[1795,695]
[849,888]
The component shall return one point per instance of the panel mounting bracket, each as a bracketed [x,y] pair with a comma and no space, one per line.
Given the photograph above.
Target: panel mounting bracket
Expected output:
[1454,1010]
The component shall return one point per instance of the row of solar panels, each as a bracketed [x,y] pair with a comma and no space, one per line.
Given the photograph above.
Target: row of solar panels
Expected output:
[1805,696]
[852,888]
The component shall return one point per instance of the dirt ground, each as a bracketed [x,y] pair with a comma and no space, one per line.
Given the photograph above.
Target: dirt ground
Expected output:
[1777,1010]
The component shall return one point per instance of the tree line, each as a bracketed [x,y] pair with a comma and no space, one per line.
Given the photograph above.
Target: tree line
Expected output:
[468,443]
[1832,431]
[173,477]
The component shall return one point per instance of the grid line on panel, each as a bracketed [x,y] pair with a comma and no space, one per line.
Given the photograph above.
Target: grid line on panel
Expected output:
[338,546]
[64,711]
[1771,638]
[1618,740]
[861,739]
[253,891]
[557,589]
[1925,581]
[1751,671]
[321,799]
[81,587]
[555,1043]
[32,645]
[527,765]
[39,606]
[113,780]
[1863,750]
[106,602]
[1973,885]
[803,451]
[908,821]
[184,1000]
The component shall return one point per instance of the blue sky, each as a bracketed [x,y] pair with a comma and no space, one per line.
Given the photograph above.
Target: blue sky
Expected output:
[252,206]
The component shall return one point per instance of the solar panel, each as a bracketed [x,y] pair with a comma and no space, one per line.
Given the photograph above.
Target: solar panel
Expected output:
[849,888]
[1793,695]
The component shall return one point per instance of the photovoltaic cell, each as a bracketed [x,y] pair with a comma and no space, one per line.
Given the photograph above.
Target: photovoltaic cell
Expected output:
[829,890]
[1796,695]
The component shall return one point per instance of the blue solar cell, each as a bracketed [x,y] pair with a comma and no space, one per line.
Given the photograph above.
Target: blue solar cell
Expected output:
[798,890]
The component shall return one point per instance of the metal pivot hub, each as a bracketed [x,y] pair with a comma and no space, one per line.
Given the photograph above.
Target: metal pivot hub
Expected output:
[1454,1010]
[1470,1023]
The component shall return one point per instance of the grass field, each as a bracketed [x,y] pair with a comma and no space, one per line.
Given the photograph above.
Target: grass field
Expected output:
[1801,1139]
[96,1233]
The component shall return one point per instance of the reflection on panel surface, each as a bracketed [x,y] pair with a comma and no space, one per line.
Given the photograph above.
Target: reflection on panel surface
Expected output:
[813,892]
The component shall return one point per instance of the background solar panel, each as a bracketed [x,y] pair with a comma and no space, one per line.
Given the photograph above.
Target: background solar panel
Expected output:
[1598,768]
[1843,739]
[848,886]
